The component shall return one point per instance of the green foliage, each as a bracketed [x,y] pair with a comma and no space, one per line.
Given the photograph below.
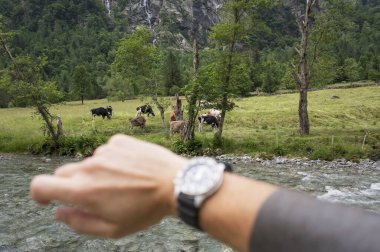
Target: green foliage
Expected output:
[137,61]
[69,146]
[81,86]
[374,71]
[172,74]
[69,33]
[119,89]
[324,71]
[25,85]
[191,147]
[271,75]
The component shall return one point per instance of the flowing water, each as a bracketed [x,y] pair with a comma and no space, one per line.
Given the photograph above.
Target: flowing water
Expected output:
[107,4]
[25,226]
[146,5]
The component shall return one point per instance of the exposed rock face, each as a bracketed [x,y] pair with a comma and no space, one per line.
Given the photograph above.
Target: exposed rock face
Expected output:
[171,21]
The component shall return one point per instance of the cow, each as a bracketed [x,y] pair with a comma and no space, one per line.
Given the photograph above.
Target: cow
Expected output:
[103,112]
[216,113]
[172,117]
[144,109]
[138,122]
[177,126]
[207,119]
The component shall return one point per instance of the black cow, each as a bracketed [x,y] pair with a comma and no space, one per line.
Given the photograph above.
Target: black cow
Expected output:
[144,109]
[208,119]
[103,112]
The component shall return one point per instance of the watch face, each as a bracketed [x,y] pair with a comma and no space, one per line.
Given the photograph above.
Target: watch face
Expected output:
[200,177]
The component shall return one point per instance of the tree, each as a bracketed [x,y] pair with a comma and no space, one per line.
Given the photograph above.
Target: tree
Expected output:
[172,74]
[81,83]
[138,61]
[119,89]
[301,72]
[5,37]
[330,15]
[193,88]
[193,92]
[226,36]
[23,79]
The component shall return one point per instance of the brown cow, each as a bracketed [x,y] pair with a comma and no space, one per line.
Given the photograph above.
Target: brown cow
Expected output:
[138,121]
[172,117]
[177,127]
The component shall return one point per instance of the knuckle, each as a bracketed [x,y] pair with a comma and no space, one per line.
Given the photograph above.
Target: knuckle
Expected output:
[117,138]
[100,150]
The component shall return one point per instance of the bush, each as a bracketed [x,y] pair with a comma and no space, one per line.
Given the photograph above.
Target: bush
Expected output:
[192,147]
[279,151]
[82,145]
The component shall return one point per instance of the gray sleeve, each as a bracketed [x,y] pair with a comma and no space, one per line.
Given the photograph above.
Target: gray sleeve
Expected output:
[290,221]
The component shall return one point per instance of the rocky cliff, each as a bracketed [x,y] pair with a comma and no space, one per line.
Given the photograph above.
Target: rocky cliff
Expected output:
[171,21]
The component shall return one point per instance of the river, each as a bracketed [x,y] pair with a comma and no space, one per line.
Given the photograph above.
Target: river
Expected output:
[25,226]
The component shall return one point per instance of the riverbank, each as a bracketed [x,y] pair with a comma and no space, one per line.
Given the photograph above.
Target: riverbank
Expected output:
[298,162]
[345,123]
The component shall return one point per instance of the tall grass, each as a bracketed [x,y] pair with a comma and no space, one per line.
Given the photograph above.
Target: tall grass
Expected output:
[258,126]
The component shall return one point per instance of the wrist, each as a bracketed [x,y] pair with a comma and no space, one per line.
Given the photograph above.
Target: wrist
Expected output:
[170,195]
[198,180]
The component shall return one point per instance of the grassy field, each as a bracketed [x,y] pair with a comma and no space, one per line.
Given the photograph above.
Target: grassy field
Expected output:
[261,126]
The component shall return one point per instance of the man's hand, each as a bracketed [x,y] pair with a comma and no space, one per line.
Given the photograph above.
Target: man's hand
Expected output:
[126,186]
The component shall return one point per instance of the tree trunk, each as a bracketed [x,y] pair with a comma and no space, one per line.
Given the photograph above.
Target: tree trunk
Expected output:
[6,49]
[303,85]
[304,126]
[42,110]
[226,82]
[82,98]
[178,109]
[301,73]
[188,133]
[59,126]
[161,109]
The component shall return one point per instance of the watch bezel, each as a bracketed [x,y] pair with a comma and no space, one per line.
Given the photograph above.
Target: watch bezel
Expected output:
[181,183]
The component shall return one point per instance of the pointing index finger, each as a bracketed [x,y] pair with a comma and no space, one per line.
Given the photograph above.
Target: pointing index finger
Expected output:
[47,188]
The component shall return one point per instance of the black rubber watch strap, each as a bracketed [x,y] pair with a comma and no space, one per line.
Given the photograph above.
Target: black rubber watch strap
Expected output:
[227,166]
[187,211]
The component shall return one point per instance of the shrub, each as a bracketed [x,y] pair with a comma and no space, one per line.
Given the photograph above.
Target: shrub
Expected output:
[192,147]
[82,145]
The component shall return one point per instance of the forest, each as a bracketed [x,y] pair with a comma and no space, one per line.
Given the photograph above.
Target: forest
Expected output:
[79,36]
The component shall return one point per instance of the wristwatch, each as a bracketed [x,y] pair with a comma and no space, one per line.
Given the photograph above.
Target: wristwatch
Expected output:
[194,183]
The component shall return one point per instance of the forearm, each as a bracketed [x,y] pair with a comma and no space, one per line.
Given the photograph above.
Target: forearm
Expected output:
[230,213]
[291,221]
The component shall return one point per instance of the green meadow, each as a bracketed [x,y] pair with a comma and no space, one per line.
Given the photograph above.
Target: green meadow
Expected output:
[347,127]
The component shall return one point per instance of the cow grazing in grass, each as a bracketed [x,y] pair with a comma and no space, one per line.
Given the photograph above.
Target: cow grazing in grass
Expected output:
[138,122]
[209,120]
[215,112]
[177,126]
[144,109]
[103,112]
